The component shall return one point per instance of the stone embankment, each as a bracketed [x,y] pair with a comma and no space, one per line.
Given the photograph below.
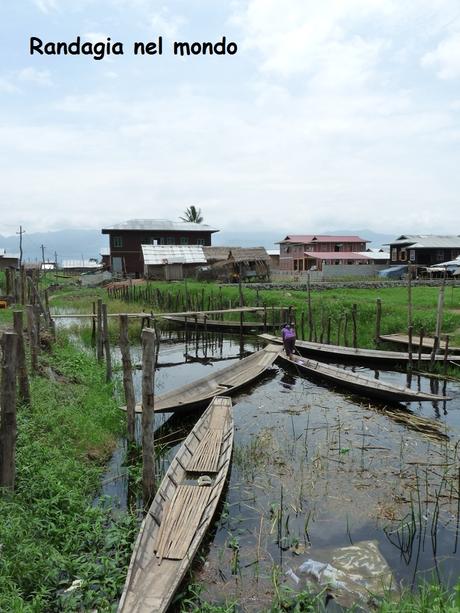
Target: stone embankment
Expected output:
[325,285]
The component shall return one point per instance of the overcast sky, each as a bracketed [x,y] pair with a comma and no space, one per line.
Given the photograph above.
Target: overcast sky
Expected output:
[333,114]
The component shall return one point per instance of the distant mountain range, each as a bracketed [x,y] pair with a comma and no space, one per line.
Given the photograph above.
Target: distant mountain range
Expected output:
[78,244]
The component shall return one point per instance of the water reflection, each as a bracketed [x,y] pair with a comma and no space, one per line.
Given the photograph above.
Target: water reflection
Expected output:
[313,469]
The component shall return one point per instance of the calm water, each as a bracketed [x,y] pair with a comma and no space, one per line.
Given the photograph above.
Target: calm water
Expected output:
[313,469]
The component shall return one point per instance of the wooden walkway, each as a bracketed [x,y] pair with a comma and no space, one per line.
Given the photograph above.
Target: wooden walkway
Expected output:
[428,342]
[190,314]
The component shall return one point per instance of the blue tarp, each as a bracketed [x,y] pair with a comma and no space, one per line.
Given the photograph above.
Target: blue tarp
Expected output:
[394,272]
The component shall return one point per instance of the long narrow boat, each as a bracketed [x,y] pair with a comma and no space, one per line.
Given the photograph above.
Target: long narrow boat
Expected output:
[350,354]
[224,382]
[427,343]
[180,513]
[359,384]
[217,325]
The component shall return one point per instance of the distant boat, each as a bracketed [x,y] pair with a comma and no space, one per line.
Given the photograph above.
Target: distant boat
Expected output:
[428,342]
[358,384]
[217,325]
[340,353]
[226,381]
[180,513]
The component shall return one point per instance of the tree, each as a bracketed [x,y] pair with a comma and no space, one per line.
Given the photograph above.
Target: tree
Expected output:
[192,214]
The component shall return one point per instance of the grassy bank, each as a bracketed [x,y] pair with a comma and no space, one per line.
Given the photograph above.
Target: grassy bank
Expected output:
[50,533]
[330,308]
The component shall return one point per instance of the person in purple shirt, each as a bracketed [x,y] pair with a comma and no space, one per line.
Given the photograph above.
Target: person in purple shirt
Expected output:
[288,335]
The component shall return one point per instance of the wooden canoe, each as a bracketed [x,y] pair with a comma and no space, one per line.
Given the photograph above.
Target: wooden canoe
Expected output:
[349,354]
[428,342]
[180,513]
[217,325]
[224,382]
[358,384]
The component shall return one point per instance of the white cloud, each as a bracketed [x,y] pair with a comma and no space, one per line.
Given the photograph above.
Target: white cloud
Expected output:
[445,59]
[32,75]
[7,87]
[46,6]
[164,23]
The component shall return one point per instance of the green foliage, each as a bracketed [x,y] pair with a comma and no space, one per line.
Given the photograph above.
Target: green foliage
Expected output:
[50,533]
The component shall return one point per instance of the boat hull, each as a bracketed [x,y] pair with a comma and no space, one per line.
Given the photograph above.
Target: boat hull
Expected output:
[358,384]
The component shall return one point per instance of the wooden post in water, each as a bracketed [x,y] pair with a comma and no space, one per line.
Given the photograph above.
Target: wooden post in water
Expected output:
[106,340]
[99,337]
[446,353]
[302,324]
[8,412]
[148,415]
[409,349]
[353,317]
[265,317]
[420,347]
[33,341]
[23,379]
[409,296]
[439,313]
[378,320]
[128,385]
[310,313]
[328,332]
[345,331]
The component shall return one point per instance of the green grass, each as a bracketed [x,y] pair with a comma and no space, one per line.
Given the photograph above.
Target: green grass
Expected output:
[333,304]
[50,533]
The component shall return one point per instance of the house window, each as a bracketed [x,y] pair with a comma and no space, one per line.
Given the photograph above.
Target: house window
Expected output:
[200,241]
[117,241]
[394,254]
[440,255]
[154,241]
[403,255]
[412,255]
[170,240]
[183,240]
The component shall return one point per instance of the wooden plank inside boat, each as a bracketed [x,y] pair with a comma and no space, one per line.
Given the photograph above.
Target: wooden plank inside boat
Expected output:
[179,526]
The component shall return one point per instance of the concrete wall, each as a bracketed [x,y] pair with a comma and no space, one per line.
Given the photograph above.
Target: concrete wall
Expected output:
[334,271]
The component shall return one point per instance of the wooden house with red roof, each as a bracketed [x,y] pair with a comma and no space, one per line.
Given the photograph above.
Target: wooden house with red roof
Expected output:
[302,252]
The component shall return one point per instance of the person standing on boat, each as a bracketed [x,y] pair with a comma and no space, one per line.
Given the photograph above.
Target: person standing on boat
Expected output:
[288,335]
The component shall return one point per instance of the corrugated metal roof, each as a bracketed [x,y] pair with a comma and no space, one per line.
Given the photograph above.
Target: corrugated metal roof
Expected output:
[273,251]
[305,239]
[159,224]
[375,254]
[336,255]
[428,241]
[157,255]
[104,251]
[80,264]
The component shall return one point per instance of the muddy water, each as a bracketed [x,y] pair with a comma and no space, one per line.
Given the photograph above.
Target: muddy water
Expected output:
[313,469]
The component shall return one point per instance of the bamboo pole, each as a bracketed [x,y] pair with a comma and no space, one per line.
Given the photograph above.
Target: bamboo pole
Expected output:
[409,297]
[310,313]
[8,412]
[446,353]
[420,347]
[149,352]
[439,312]
[378,320]
[23,379]
[128,385]
[409,349]
[353,316]
[99,338]
[33,341]
[106,341]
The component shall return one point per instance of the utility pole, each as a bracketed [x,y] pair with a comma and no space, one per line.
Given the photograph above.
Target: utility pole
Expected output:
[43,255]
[55,260]
[21,232]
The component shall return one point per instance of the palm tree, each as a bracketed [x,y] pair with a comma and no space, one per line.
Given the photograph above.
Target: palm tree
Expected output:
[192,215]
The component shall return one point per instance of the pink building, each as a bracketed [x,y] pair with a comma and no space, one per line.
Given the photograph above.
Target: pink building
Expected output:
[301,252]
